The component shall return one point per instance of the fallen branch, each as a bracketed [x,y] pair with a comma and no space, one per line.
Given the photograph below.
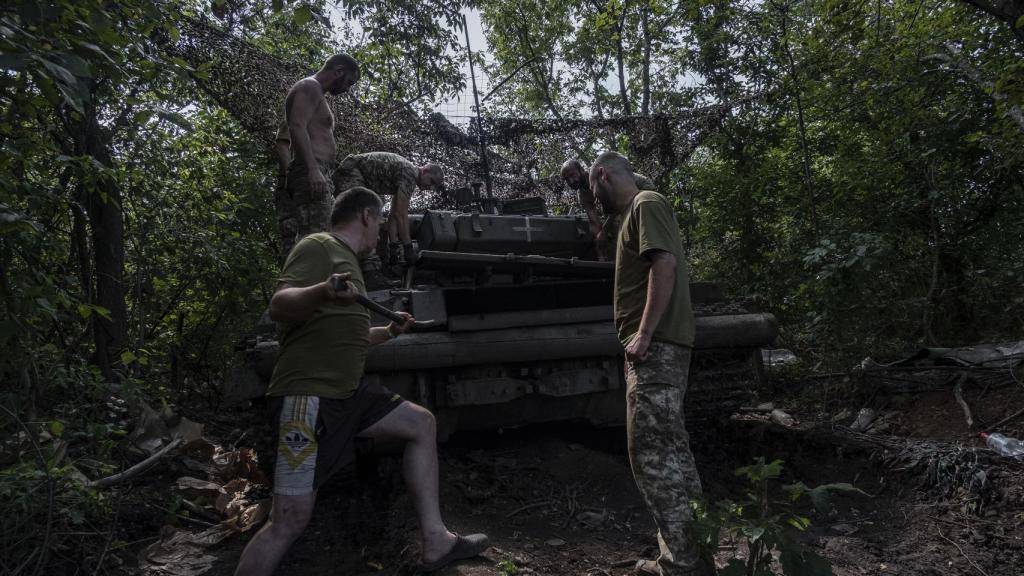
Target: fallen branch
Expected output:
[829,375]
[529,507]
[978,568]
[138,468]
[199,511]
[938,368]
[958,392]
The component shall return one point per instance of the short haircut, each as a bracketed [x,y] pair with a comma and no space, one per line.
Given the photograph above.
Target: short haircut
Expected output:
[574,164]
[613,162]
[351,203]
[345,61]
[434,171]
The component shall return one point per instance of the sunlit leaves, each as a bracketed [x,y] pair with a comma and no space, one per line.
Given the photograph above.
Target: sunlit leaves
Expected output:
[302,15]
[412,51]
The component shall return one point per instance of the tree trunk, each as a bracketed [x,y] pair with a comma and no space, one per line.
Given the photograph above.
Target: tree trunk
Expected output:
[627,110]
[645,103]
[537,72]
[597,77]
[103,204]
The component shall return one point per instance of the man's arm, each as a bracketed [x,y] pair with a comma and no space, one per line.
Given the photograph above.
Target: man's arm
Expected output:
[382,334]
[283,146]
[586,199]
[299,107]
[661,280]
[293,305]
[594,219]
[400,212]
[284,154]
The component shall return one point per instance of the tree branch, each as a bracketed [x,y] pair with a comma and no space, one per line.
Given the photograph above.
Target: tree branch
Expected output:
[138,468]
[957,60]
[1008,11]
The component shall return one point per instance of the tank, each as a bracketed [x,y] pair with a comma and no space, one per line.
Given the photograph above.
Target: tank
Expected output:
[522,327]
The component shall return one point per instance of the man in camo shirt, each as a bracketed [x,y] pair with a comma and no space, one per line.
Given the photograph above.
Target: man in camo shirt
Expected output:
[389,174]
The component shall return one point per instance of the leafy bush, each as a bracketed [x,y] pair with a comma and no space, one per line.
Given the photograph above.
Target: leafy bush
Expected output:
[765,524]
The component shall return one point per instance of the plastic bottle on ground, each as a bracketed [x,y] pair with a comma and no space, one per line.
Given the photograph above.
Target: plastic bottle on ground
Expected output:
[1004,445]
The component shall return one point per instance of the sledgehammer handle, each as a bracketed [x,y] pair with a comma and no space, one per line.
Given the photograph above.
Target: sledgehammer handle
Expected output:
[339,286]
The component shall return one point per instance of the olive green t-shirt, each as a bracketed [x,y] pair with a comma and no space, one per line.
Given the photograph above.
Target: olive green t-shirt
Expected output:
[649,224]
[324,355]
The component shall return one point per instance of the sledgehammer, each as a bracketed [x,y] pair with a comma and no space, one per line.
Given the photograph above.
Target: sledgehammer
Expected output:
[338,284]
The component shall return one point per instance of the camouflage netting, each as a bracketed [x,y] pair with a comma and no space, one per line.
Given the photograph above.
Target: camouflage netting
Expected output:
[251,85]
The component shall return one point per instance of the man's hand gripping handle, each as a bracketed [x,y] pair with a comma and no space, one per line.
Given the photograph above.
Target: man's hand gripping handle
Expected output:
[340,285]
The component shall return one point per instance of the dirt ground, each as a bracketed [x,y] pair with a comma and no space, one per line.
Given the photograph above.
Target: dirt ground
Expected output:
[560,499]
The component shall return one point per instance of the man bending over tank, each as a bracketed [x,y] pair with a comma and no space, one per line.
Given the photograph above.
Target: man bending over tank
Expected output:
[318,402]
[392,175]
[311,134]
[575,175]
[655,324]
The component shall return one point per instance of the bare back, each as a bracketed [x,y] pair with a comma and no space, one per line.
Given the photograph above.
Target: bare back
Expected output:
[311,121]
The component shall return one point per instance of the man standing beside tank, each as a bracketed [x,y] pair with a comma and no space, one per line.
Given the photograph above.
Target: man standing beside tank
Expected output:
[654,322]
[574,173]
[389,174]
[320,402]
[313,149]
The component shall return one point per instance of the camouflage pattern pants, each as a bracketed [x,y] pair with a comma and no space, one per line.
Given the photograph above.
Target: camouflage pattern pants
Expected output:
[285,208]
[348,176]
[305,211]
[659,452]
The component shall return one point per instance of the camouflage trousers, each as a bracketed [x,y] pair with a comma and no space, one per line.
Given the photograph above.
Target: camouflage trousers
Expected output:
[659,452]
[285,208]
[301,211]
[348,176]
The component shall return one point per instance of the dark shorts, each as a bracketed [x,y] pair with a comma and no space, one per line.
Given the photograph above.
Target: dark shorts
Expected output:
[316,436]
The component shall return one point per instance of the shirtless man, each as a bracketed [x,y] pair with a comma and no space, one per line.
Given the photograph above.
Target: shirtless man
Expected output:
[577,178]
[311,131]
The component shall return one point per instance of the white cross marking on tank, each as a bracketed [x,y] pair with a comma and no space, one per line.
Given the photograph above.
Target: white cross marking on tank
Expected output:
[527,229]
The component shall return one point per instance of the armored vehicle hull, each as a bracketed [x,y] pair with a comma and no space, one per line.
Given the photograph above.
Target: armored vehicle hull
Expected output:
[523,329]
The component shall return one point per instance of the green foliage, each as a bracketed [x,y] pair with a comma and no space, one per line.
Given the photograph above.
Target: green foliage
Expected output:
[562,58]
[766,524]
[870,197]
[871,194]
[903,226]
[507,567]
[94,118]
[411,50]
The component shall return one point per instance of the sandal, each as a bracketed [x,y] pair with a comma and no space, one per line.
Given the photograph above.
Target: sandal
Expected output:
[465,547]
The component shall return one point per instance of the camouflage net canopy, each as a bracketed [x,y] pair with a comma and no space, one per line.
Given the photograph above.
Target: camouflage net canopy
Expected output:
[251,85]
